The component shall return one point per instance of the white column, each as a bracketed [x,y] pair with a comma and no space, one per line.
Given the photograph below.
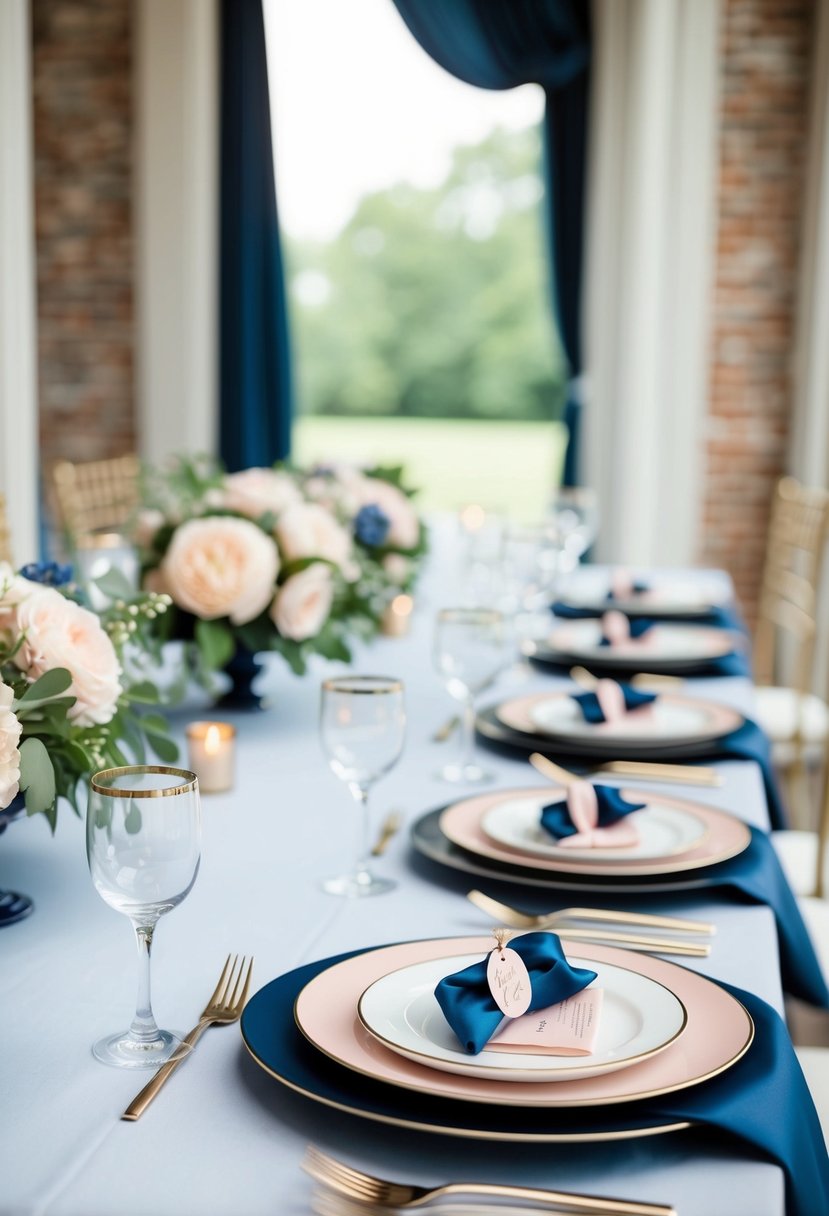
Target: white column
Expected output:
[18,310]
[650,255]
[177,251]
[809,450]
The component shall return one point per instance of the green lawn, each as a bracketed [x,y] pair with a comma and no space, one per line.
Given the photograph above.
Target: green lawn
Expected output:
[511,466]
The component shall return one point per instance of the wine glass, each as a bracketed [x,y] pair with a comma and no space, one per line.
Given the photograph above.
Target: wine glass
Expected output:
[530,558]
[143,839]
[468,653]
[574,510]
[362,727]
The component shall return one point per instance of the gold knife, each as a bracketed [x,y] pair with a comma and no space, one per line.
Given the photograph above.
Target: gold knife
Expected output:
[389,828]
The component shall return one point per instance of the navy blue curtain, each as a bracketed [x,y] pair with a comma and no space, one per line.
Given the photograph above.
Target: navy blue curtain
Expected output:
[498,44]
[255,376]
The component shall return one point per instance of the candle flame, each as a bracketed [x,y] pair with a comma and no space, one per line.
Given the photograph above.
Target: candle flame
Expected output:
[473,517]
[402,605]
[212,739]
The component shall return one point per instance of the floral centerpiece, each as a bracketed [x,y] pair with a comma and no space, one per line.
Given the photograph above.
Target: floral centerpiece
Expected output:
[285,559]
[67,708]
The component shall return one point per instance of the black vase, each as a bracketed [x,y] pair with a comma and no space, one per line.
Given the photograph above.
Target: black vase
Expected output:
[13,907]
[243,669]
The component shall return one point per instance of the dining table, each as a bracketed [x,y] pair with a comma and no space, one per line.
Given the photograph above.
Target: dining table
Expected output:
[224,1138]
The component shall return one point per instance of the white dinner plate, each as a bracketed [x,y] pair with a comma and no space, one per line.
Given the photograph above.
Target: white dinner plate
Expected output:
[664,831]
[662,719]
[680,597]
[661,643]
[670,720]
[639,1018]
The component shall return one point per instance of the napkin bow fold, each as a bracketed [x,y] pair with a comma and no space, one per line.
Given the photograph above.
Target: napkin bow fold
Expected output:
[470,1008]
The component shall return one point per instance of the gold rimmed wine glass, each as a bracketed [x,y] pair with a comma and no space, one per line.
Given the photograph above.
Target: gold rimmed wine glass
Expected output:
[362,728]
[469,650]
[143,844]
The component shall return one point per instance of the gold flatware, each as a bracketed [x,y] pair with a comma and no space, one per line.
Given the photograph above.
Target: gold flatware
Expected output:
[552,771]
[389,828]
[508,915]
[681,774]
[332,1203]
[366,1189]
[224,1007]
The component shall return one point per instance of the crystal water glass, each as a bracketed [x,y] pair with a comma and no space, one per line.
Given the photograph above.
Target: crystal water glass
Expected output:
[575,514]
[362,729]
[143,844]
[469,651]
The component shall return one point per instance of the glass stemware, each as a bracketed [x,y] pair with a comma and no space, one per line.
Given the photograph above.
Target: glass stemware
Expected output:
[574,510]
[143,844]
[468,654]
[362,727]
[530,559]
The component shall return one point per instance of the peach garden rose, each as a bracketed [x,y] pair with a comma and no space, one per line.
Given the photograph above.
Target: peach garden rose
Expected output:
[60,633]
[253,492]
[309,530]
[219,566]
[303,603]
[10,730]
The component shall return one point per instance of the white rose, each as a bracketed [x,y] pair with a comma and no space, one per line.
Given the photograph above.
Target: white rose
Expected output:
[404,526]
[303,603]
[308,530]
[220,566]
[59,633]
[10,730]
[253,492]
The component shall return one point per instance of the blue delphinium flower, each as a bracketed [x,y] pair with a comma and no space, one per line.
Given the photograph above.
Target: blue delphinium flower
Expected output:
[50,574]
[371,525]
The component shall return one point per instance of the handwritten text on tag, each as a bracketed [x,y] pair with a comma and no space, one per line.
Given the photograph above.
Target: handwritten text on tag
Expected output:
[509,981]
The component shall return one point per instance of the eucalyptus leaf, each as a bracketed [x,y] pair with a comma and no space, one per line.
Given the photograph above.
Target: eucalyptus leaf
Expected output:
[37,776]
[143,691]
[50,684]
[215,642]
[163,746]
[115,584]
[132,820]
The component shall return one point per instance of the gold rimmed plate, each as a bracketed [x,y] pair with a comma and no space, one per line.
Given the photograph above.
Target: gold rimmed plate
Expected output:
[718,1032]
[639,1018]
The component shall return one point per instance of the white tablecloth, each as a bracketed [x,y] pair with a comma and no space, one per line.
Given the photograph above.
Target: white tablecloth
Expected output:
[224,1139]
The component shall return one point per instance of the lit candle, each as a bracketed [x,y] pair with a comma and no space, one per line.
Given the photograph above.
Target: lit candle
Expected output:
[472,517]
[397,617]
[211,747]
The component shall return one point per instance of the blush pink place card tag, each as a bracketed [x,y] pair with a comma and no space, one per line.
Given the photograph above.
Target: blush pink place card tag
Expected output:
[621,584]
[616,628]
[611,700]
[509,981]
[569,1028]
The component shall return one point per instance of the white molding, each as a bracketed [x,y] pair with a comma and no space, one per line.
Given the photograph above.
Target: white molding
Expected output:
[18,308]
[177,248]
[809,446]
[650,262]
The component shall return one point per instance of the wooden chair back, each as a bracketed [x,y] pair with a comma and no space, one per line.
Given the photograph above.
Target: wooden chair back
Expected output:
[96,495]
[797,537]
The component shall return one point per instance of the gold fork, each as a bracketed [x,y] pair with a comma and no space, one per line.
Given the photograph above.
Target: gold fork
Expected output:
[224,1007]
[508,915]
[367,1189]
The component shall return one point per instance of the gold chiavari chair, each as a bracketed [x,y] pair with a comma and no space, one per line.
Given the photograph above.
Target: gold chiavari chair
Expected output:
[5,534]
[794,717]
[96,495]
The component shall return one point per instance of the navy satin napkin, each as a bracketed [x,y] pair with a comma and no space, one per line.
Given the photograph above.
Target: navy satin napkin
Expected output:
[750,742]
[764,1101]
[718,616]
[639,626]
[591,710]
[637,587]
[468,1004]
[556,820]
[757,877]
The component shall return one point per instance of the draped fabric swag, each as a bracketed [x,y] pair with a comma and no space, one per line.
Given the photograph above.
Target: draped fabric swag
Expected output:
[499,44]
[255,376]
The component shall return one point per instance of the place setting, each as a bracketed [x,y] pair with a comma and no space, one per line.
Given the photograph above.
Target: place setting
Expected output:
[671,596]
[601,720]
[616,643]
[532,1038]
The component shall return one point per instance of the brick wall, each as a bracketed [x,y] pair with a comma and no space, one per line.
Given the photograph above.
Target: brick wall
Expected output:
[82,84]
[765,63]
